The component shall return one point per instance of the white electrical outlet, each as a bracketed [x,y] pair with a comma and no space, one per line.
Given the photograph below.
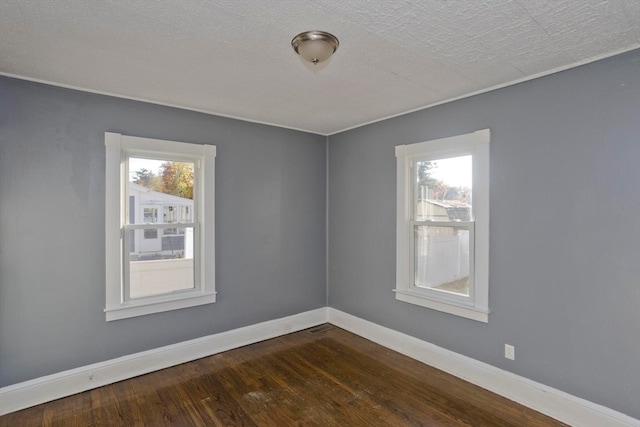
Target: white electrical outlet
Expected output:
[509,352]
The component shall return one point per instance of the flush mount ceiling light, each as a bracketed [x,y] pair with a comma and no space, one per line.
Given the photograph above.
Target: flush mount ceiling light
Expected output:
[315,46]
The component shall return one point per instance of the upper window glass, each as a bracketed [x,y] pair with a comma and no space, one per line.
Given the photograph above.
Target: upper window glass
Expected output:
[443,189]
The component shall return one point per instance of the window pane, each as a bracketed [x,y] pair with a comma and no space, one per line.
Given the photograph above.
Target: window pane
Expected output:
[170,214]
[443,190]
[160,191]
[149,215]
[441,259]
[165,267]
[185,213]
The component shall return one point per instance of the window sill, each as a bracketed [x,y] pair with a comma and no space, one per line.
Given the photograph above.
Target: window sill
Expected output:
[127,310]
[469,312]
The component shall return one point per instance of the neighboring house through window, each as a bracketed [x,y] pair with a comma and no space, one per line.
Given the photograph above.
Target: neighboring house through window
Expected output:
[443,224]
[159,225]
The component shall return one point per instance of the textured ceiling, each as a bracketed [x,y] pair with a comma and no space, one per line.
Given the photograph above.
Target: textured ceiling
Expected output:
[233,57]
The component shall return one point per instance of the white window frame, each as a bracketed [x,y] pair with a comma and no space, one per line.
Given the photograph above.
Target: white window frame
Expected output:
[118,148]
[476,305]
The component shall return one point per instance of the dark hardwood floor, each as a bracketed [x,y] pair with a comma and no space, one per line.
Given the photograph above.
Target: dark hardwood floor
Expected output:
[316,377]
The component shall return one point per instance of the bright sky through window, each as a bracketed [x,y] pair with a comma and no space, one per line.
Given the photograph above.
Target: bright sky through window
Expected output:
[455,171]
[135,164]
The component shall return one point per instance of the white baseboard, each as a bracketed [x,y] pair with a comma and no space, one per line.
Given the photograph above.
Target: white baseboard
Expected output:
[555,403]
[539,397]
[44,389]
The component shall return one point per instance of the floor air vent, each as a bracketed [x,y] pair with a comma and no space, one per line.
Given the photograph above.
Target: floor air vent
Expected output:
[320,329]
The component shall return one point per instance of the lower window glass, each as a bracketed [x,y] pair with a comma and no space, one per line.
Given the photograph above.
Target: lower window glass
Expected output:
[165,265]
[442,259]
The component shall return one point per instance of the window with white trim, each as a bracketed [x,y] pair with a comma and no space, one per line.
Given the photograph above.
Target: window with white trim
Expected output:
[159,225]
[442,234]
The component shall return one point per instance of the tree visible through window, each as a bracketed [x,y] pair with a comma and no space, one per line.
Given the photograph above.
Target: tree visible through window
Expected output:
[174,178]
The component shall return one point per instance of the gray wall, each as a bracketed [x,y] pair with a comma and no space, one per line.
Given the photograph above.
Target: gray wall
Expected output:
[270,227]
[565,229]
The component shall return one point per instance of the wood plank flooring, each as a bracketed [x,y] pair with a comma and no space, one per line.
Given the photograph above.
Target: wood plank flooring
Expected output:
[327,378]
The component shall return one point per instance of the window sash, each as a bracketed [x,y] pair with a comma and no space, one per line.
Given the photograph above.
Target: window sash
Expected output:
[126,263]
[156,225]
[435,293]
[198,179]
